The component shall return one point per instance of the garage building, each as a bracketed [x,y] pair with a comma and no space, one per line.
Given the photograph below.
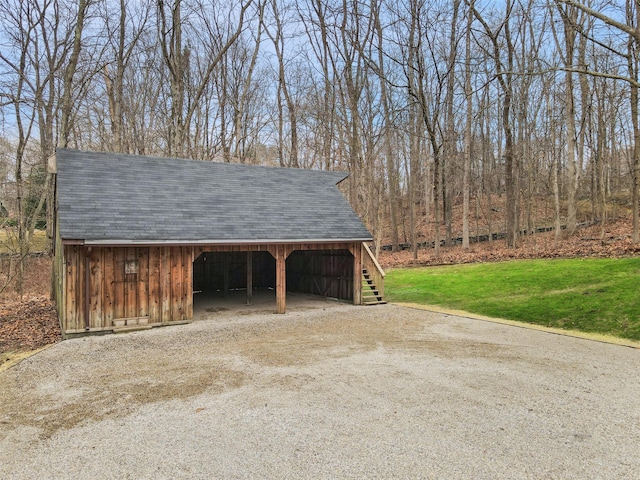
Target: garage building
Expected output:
[137,237]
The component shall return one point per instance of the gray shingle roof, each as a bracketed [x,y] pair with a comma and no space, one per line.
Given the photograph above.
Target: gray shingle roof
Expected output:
[105,197]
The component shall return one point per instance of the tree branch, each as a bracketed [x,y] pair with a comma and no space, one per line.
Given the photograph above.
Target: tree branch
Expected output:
[634,32]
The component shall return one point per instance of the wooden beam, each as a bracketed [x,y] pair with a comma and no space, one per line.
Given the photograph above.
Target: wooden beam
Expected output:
[225,286]
[357,273]
[270,247]
[249,278]
[281,279]
[188,284]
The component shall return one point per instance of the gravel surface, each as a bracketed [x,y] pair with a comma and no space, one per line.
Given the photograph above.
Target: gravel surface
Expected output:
[326,391]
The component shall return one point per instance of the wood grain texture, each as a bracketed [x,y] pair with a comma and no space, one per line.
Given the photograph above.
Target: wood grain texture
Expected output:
[105,284]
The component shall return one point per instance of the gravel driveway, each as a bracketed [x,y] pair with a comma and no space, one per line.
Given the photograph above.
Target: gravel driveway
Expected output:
[333,391]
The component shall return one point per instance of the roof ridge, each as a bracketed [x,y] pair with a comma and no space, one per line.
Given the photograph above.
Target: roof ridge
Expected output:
[116,155]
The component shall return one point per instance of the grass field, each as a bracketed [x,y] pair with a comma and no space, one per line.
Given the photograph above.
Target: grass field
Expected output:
[9,241]
[590,295]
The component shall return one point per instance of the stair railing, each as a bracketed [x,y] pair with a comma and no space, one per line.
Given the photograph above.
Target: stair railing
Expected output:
[374,269]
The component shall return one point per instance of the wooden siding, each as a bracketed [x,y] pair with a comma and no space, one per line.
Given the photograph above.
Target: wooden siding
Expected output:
[125,282]
[58,273]
[328,273]
[99,285]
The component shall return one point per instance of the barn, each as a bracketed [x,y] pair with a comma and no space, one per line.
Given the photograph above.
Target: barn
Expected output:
[136,237]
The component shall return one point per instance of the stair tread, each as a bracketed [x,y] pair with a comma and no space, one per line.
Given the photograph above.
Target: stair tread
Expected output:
[371,293]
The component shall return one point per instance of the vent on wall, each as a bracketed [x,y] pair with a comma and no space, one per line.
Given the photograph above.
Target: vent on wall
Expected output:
[131,267]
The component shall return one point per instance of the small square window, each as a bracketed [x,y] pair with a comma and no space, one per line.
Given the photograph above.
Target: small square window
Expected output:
[131,267]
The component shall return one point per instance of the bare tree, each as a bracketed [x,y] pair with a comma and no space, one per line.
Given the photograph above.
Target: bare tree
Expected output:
[569,14]
[219,34]
[238,94]
[68,85]
[428,103]
[124,38]
[22,95]
[631,28]
[277,37]
[389,156]
[468,129]
[504,75]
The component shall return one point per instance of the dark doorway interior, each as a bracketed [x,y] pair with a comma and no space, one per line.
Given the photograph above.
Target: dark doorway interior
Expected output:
[328,273]
[222,272]
[223,275]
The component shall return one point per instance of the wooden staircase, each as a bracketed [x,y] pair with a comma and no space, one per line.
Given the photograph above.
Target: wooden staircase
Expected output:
[370,293]
[372,279]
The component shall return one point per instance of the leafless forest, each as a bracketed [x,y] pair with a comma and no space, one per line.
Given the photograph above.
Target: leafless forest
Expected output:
[454,118]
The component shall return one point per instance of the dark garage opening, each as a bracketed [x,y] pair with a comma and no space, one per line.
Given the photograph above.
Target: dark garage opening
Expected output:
[220,278]
[327,273]
[223,272]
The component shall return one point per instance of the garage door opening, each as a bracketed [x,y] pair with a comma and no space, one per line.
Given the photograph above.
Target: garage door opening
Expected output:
[243,281]
[325,273]
[221,279]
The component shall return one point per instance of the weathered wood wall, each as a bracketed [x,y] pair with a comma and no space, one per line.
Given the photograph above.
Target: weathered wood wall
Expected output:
[98,285]
[125,282]
[328,273]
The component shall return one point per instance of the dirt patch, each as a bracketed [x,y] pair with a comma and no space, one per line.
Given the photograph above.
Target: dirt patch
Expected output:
[215,310]
[122,394]
[220,359]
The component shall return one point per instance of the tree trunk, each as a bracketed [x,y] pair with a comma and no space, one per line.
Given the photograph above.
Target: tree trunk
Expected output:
[634,46]
[467,132]
[70,71]
[504,76]
[449,158]
[388,132]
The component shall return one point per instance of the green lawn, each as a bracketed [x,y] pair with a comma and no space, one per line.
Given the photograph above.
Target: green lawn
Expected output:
[591,295]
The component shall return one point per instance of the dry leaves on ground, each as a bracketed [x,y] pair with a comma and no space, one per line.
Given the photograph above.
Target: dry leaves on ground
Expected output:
[585,242]
[28,324]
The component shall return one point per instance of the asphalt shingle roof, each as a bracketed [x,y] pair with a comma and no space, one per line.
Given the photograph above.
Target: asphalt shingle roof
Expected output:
[106,197]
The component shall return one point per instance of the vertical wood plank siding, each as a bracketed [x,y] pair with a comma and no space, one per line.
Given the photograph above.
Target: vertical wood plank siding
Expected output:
[157,285]
[108,305]
[328,273]
[155,299]
[157,282]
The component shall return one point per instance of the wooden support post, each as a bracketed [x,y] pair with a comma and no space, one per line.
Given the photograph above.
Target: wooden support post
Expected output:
[188,283]
[225,287]
[281,279]
[356,250]
[161,291]
[207,275]
[249,278]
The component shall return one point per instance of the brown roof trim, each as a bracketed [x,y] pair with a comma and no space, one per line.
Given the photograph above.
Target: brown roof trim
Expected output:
[167,243]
